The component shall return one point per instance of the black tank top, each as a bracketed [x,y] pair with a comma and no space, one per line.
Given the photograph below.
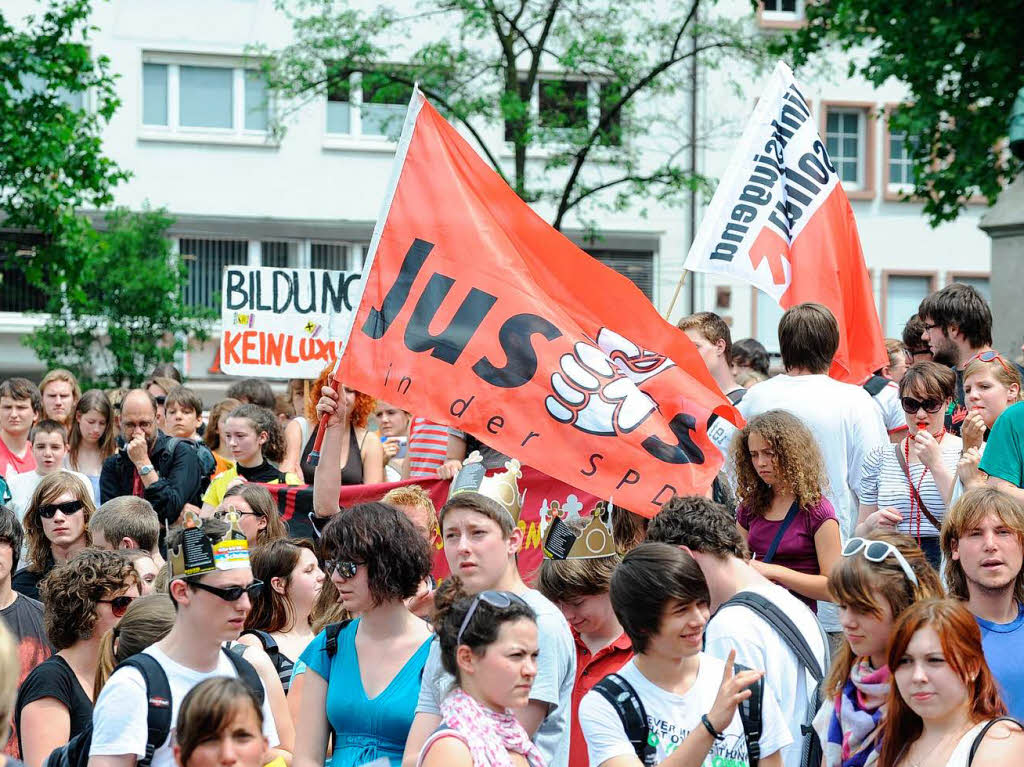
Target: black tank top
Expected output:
[351,473]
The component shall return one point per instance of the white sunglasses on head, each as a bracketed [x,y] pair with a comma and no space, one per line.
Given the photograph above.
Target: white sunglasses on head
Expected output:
[877,551]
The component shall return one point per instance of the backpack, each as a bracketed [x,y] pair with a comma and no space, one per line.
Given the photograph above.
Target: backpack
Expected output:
[75,753]
[875,384]
[207,463]
[630,709]
[811,751]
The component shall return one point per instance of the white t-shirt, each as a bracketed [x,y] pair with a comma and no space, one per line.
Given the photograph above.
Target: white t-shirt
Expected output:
[23,485]
[889,405]
[759,646]
[672,717]
[120,715]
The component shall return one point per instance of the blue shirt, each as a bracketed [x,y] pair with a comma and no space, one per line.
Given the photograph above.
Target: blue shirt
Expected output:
[1003,644]
[365,729]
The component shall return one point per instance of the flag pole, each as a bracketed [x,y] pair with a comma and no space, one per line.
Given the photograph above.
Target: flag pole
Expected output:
[675,296]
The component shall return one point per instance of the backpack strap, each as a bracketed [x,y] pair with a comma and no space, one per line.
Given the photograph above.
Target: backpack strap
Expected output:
[784,627]
[332,631]
[158,698]
[247,673]
[981,735]
[752,718]
[627,704]
[875,384]
[269,643]
[790,516]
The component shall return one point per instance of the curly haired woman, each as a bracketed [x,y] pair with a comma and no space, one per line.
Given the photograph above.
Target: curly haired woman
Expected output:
[362,459]
[789,525]
[83,599]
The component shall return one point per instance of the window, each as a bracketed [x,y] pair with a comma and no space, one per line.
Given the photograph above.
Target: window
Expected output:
[978,282]
[274,253]
[32,84]
[562,105]
[781,13]
[337,256]
[844,139]
[903,295]
[900,165]
[206,260]
[767,314]
[638,266]
[366,104]
[192,97]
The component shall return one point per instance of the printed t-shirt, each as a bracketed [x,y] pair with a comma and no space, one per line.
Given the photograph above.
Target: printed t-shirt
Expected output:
[24,619]
[672,717]
[1003,644]
[10,464]
[54,678]
[427,447]
[556,674]
[119,718]
[796,549]
[759,646]
[889,405]
[1004,450]
[591,668]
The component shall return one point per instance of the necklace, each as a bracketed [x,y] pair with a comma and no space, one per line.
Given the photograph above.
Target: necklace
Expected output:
[940,749]
[915,493]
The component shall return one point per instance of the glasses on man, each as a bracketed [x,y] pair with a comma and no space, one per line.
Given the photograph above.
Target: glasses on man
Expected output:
[130,426]
[931,325]
[911,405]
[878,551]
[232,593]
[118,605]
[48,510]
[345,568]
[499,599]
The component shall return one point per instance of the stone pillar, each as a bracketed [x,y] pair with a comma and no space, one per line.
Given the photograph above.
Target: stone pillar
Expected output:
[1004,224]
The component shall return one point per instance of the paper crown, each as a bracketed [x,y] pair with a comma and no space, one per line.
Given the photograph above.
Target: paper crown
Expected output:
[567,534]
[199,553]
[503,487]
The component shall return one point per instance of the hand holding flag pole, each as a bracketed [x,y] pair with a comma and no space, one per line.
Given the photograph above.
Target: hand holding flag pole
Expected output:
[314,454]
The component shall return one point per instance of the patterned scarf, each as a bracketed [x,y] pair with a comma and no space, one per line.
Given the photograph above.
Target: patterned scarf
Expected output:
[849,726]
[489,735]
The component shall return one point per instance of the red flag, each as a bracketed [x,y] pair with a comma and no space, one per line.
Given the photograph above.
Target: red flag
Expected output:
[781,221]
[477,314]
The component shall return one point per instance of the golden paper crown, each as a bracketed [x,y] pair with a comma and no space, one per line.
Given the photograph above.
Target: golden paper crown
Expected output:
[198,553]
[503,487]
[567,534]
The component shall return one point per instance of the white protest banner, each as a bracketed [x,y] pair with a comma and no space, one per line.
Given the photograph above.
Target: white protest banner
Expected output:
[282,322]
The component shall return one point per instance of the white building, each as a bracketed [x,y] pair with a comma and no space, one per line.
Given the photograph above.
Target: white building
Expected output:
[191,132]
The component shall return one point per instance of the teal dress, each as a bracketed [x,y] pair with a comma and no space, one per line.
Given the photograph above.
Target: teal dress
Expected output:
[365,729]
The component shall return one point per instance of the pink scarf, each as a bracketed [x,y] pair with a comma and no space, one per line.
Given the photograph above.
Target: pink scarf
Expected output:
[489,735]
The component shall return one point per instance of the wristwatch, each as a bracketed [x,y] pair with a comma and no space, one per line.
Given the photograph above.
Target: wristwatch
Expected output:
[145,470]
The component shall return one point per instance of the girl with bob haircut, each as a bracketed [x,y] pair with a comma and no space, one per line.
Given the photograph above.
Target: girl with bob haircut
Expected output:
[945,706]
[83,599]
[873,590]
[366,690]
[56,528]
[991,384]
[257,513]
[279,620]
[908,486]
[489,644]
[256,440]
[147,620]
[783,515]
[221,722]
[93,438]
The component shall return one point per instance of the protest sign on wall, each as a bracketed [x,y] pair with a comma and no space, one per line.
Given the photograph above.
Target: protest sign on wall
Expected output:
[281,322]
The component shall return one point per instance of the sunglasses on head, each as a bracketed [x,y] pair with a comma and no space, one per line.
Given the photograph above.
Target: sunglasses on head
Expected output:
[345,568]
[161,400]
[233,593]
[911,405]
[877,551]
[993,356]
[47,510]
[118,605]
[499,599]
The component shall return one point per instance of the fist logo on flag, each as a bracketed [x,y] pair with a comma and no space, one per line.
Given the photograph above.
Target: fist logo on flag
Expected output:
[596,387]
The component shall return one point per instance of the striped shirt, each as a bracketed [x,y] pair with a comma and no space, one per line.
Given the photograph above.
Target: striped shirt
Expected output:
[428,445]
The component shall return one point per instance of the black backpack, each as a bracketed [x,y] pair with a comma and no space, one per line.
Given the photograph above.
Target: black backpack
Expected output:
[875,384]
[207,463]
[75,753]
[811,751]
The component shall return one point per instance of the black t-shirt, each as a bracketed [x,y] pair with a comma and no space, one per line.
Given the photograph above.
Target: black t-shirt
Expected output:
[55,679]
[265,472]
[26,581]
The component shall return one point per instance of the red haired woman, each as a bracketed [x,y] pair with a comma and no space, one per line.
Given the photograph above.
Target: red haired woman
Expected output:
[945,707]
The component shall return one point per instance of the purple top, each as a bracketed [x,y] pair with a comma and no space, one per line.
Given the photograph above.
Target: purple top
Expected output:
[796,549]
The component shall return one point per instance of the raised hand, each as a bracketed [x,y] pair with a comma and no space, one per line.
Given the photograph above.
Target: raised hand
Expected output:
[332,406]
[733,691]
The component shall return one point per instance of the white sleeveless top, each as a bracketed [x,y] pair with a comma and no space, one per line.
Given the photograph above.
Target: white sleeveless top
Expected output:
[963,749]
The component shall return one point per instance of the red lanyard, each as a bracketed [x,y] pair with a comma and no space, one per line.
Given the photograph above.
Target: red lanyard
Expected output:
[915,509]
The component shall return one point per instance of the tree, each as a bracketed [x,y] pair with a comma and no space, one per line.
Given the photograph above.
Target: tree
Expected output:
[606,141]
[962,66]
[113,320]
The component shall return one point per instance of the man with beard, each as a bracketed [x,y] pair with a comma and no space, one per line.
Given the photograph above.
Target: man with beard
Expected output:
[983,546]
[145,467]
[957,328]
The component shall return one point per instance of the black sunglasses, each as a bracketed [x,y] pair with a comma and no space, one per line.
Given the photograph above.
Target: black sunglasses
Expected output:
[345,568]
[47,510]
[911,405]
[161,400]
[232,594]
[118,605]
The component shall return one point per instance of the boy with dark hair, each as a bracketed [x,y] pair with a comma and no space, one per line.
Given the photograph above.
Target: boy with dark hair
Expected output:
[20,407]
[754,618]
[711,336]
[685,700]
[254,391]
[49,444]
[912,335]
[183,413]
[749,354]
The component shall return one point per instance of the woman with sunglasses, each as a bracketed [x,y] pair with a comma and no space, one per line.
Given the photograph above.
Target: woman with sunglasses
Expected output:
[366,690]
[56,527]
[83,599]
[258,516]
[945,708]
[489,644]
[876,579]
[991,385]
[908,486]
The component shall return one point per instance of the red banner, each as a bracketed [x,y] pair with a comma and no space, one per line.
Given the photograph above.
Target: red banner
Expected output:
[477,314]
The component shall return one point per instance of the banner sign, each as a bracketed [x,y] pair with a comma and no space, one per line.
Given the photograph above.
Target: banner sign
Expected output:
[283,323]
[542,497]
[781,221]
[478,315]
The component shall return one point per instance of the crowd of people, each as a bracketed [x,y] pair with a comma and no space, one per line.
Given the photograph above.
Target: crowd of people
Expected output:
[849,593]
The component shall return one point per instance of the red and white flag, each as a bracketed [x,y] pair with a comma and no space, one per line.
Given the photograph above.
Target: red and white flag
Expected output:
[781,221]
